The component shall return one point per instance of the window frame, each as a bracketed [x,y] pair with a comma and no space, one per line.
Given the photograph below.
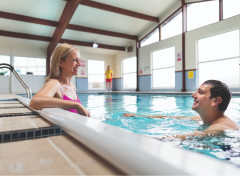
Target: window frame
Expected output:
[168,20]
[148,36]
[133,72]
[103,75]
[224,11]
[162,68]
[30,67]
[193,3]
[217,60]
[4,69]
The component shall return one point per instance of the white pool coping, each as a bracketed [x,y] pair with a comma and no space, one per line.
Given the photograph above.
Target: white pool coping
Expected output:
[132,153]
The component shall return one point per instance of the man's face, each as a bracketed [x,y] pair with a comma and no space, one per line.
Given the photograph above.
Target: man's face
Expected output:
[202,101]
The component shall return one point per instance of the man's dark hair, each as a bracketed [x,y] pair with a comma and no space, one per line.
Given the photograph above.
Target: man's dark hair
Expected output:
[219,89]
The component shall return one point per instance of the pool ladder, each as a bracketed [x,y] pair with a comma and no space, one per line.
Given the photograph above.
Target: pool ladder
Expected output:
[11,68]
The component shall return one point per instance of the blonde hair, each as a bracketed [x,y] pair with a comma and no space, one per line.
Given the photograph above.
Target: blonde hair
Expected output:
[60,53]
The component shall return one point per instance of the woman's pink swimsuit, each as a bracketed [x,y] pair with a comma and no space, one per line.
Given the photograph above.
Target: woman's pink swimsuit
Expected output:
[69,99]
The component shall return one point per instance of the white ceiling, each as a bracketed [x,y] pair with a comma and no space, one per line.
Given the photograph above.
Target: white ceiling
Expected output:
[85,16]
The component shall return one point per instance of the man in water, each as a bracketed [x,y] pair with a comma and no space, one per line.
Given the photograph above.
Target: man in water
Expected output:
[210,101]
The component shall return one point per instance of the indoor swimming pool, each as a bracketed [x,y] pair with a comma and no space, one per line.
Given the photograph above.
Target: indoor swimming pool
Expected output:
[110,108]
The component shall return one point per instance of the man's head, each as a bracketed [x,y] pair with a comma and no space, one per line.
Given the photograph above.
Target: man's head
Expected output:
[219,89]
[211,93]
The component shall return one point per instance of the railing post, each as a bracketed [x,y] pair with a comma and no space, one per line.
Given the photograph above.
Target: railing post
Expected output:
[11,68]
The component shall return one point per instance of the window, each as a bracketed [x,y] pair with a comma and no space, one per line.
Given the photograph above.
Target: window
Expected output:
[230,8]
[218,58]
[163,65]
[4,60]
[201,14]
[151,38]
[95,75]
[28,65]
[172,27]
[129,73]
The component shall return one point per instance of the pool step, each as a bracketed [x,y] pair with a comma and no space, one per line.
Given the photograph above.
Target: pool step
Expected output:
[14,128]
[30,145]
[18,122]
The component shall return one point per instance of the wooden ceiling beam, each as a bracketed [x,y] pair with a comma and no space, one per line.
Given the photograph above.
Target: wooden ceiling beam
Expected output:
[65,18]
[118,10]
[89,44]
[48,39]
[29,19]
[101,32]
[24,18]
[24,36]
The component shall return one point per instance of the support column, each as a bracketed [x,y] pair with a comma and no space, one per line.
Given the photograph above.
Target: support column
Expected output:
[220,10]
[137,57]
[184,30]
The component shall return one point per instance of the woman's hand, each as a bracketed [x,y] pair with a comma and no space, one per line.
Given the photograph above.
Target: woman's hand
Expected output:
[83,111]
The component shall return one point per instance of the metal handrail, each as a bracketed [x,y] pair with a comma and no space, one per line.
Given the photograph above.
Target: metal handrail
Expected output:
[28,90]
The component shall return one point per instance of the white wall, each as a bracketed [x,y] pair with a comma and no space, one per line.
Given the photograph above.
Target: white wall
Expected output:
[30,48]
[21,47]
[165,15]
[145,53]
[192,37]
[123,55]
[108,59]
[26,48]
[4,84]
[34,82]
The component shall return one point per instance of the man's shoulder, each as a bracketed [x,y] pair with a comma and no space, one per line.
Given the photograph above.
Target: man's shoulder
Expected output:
[224,124]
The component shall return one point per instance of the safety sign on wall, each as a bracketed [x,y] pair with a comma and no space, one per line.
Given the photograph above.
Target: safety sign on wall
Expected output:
[179,56]
[190,75]
[82,68]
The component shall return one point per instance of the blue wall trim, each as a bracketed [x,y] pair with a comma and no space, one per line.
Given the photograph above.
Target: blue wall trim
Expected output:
[145,83]
[82,84]
[178,81]
[191,83]
[117,84]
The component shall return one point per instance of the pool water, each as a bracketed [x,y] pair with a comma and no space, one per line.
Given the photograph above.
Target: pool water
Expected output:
[110,108]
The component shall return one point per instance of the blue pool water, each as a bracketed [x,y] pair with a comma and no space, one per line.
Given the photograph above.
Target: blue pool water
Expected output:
[109,108]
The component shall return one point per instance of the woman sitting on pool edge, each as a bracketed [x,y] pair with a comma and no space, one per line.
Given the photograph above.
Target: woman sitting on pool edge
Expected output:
[58,88]
[210,102]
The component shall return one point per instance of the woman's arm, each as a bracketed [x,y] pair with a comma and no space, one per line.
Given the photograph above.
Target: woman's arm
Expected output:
[45,96]
[45,99]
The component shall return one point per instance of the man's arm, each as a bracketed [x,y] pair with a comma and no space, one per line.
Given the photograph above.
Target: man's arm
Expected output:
[161,116]
[213,130]
[153,116]
[195,118]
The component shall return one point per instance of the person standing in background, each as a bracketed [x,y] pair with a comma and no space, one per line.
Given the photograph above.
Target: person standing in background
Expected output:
[108,74]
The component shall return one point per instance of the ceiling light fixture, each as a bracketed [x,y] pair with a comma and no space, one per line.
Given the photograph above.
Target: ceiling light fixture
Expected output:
[95,45]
